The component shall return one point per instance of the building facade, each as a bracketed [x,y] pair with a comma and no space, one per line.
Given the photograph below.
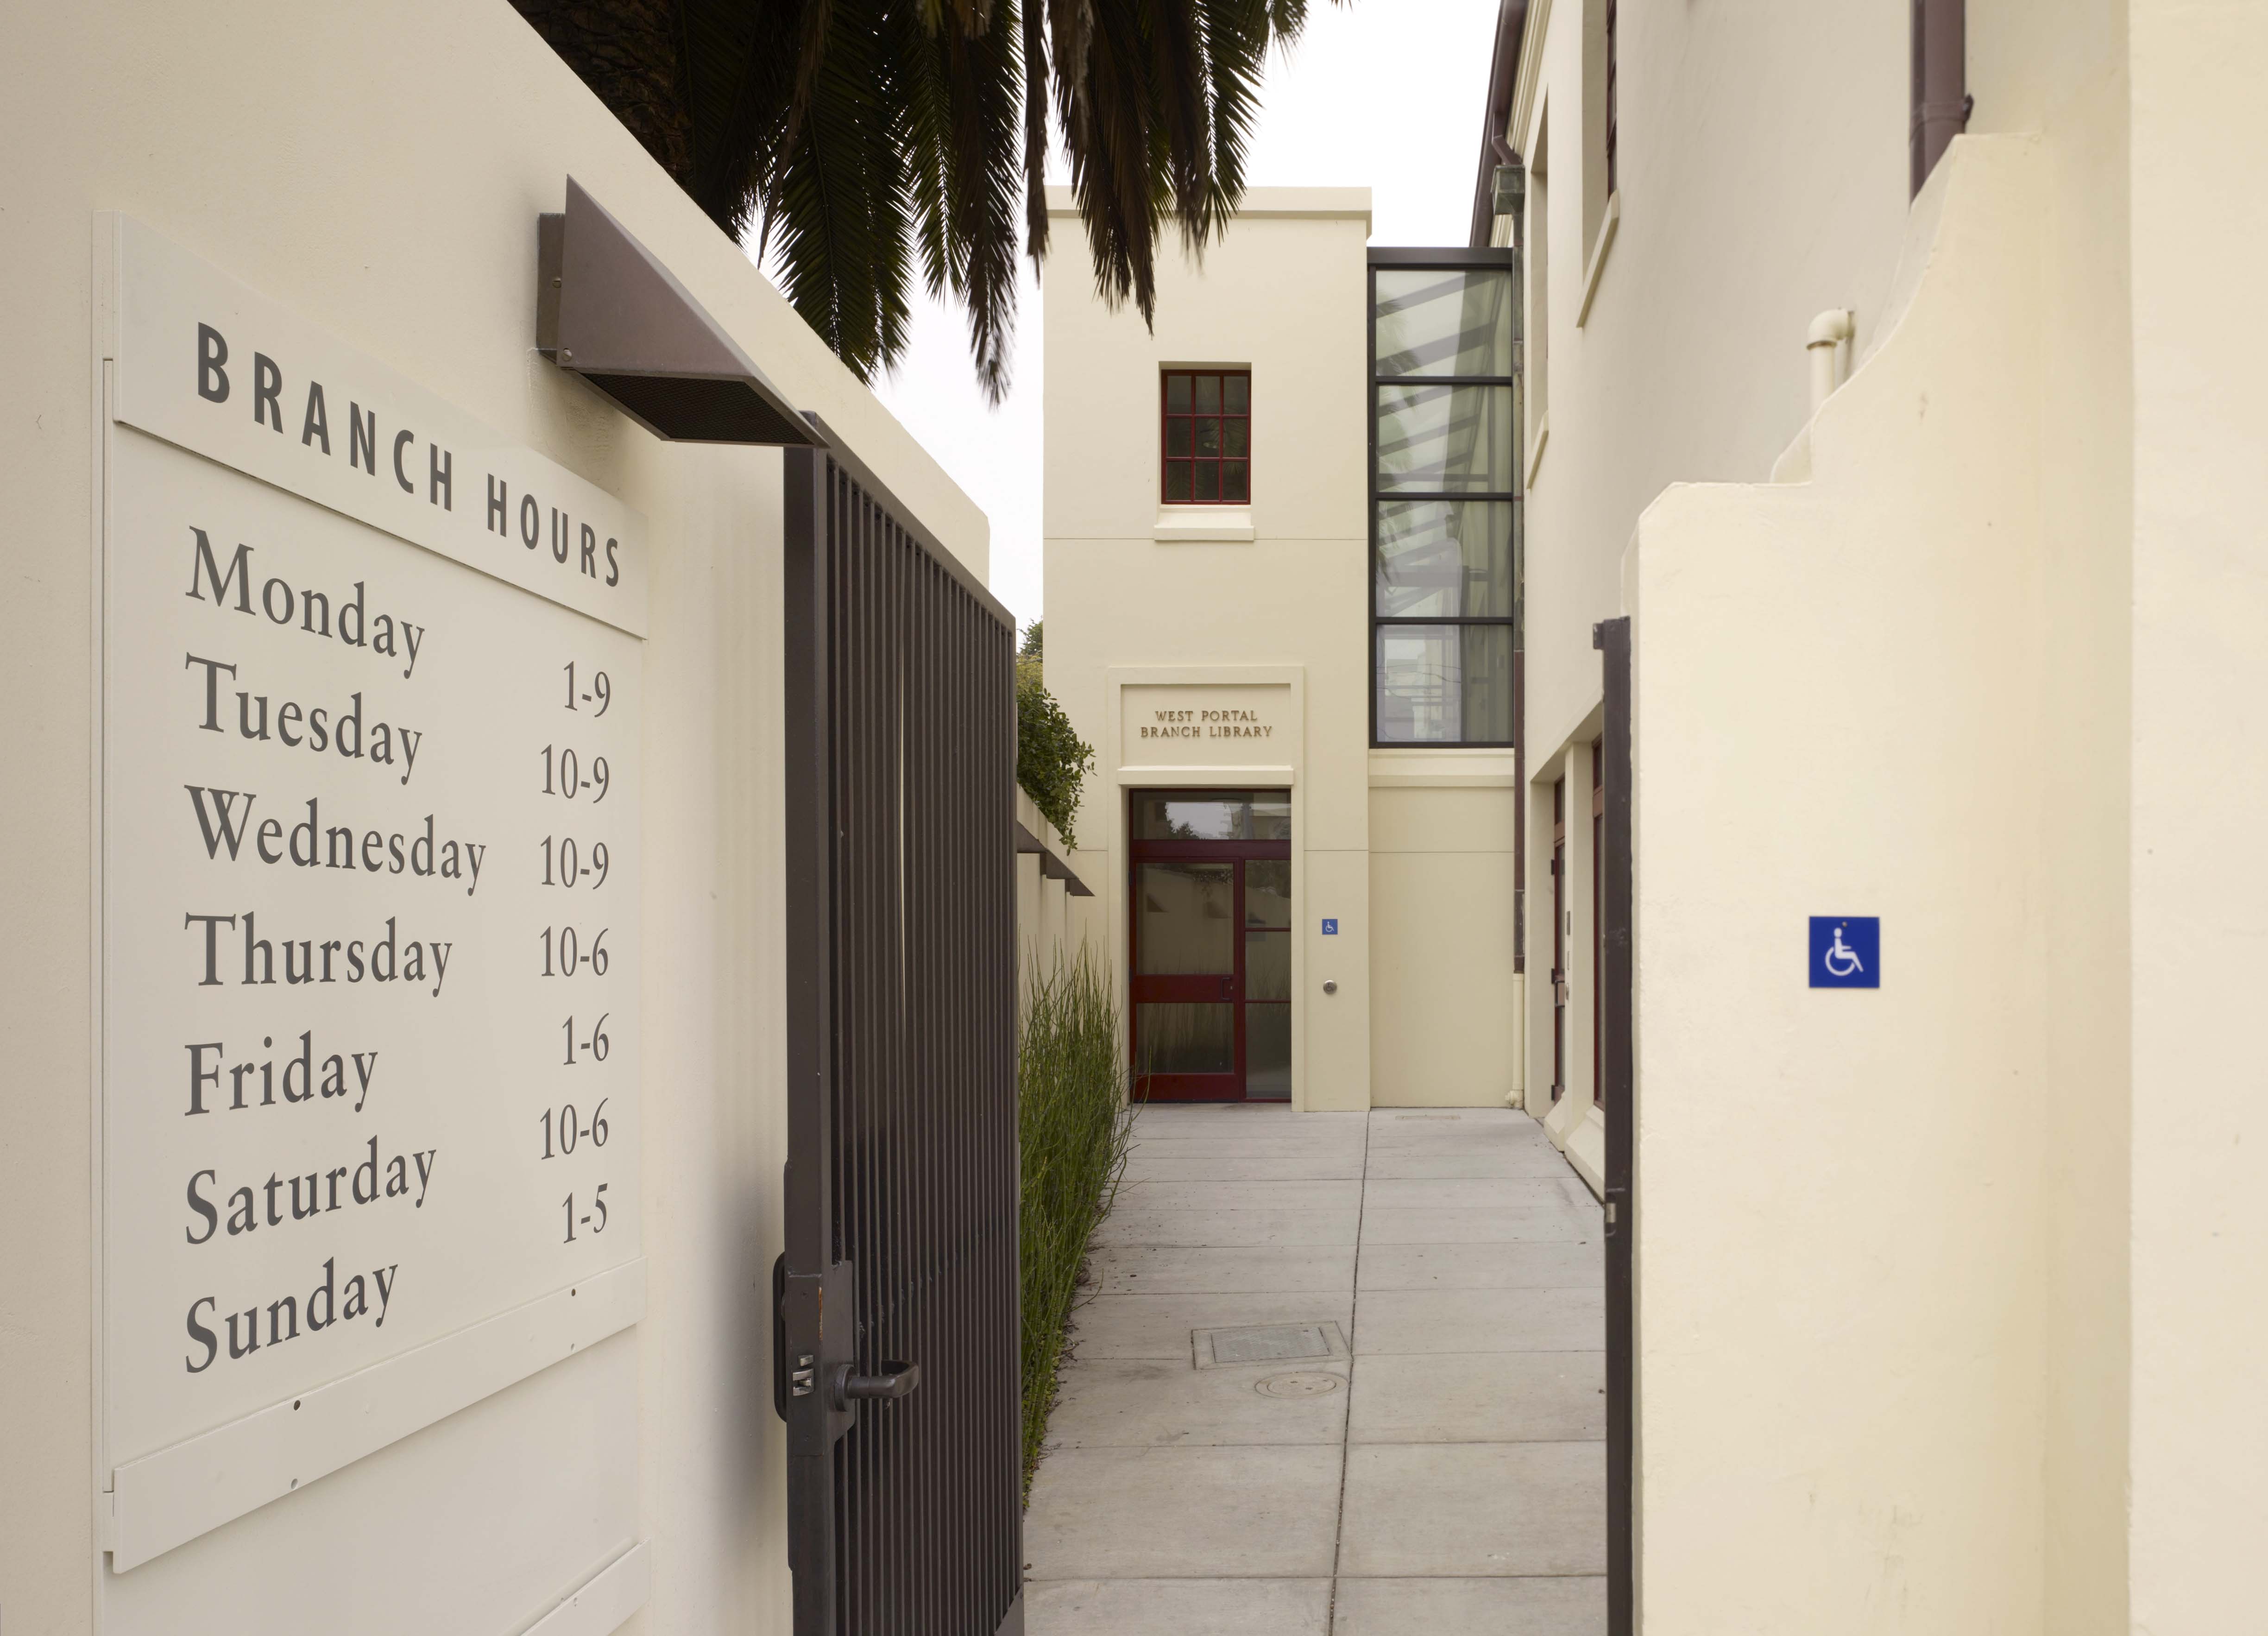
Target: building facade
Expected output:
[1919,481]
[1291,635]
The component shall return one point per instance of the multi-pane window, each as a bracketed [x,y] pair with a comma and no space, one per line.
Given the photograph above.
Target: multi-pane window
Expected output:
[1207,436]
[1444,495]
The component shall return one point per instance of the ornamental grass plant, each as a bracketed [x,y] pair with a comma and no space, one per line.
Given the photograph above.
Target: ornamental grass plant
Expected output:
[1075,1122]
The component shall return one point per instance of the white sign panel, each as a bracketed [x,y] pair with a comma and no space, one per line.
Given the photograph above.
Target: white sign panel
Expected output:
[370,893]
[1186,725]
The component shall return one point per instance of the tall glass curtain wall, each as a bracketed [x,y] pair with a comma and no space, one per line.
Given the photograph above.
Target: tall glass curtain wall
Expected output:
[1444,495]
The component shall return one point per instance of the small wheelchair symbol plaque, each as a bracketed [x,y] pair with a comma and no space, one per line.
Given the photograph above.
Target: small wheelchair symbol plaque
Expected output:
[1846,952]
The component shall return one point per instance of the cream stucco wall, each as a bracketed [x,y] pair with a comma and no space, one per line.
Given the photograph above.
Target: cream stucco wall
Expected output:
[1840,702]
[1285,607]
[1050,933]
[380,171]
[1760,179]
[1756,186]
[2198,881]
[1763,180]
[1445,1012]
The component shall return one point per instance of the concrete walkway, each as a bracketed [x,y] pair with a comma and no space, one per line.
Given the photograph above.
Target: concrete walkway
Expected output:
[1447,1478]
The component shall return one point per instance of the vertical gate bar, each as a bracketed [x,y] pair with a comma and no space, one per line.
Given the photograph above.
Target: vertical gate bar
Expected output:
[849,911]
[984,1429]
[874,815]
[849,825]
[1618,1078]
[952,1097]
[807,915]
[997,774]
[844,725]
[967,1363]
[978,1428]
[874,1247]
[905,1421]
[1012,1316]
[977,1572]
[917,818]
[977,1420]
[949,1540]
[935,1502]
[945,1090]
[950,1091]
[953,1086]
[873,1254]
[858,820]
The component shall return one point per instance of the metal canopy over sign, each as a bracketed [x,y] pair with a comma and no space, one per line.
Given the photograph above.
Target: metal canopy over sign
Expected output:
[609,311]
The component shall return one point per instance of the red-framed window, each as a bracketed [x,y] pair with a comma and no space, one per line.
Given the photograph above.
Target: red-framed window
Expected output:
[1206,436]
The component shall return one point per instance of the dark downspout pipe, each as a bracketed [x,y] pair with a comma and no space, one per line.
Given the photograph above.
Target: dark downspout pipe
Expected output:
[1940,81]
[1504,68]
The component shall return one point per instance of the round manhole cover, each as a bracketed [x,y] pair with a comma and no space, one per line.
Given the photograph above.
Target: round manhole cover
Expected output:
[1300,1385]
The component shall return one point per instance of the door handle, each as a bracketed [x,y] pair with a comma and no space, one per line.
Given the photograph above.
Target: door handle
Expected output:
[897,1380]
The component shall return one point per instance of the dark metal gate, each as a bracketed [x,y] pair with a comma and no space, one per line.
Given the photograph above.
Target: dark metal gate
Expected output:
[1617,1081]
[897,1349]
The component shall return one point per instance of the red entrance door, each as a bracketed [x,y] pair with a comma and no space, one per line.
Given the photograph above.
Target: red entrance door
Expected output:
[1210,908]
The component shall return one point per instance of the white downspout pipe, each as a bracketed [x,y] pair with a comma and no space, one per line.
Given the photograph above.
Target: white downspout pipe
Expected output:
[1828,333]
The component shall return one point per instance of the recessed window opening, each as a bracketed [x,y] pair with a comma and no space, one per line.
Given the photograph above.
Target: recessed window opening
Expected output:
[1597,115]
[1535,339]
[1205,437]
[1613,182]
[1444,497]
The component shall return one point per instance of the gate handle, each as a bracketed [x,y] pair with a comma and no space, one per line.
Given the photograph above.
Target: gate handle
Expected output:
[898,1380]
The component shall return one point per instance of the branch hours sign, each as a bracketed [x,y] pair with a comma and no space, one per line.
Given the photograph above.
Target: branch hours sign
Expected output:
[370,745]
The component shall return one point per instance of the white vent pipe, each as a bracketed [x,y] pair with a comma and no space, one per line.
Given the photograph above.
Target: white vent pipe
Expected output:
[1829,332]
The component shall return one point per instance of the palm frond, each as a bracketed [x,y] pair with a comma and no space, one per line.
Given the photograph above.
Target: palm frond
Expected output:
[838,208]
[862,139]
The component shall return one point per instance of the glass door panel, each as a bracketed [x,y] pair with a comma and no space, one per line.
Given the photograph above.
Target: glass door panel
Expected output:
[1268,979]
[1268,966]
[1211,925]
[1182,918]
[1268,1053]
[1180,1038]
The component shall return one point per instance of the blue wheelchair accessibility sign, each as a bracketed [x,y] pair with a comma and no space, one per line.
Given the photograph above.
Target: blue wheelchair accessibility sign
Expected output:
[1846,951]
[1331,927]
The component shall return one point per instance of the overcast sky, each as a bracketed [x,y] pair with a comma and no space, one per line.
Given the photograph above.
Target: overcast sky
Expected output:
[1381,93]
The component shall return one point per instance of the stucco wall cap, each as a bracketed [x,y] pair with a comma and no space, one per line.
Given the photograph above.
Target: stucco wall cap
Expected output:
[1309,203]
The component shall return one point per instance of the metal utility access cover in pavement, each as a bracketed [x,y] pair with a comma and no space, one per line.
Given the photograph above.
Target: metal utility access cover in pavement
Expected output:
[1270,1343]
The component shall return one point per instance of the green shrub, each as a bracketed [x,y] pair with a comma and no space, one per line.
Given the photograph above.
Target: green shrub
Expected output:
[1051,760]
[1074,1122]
